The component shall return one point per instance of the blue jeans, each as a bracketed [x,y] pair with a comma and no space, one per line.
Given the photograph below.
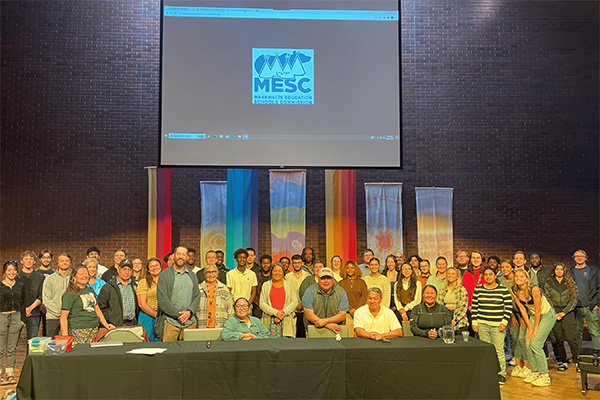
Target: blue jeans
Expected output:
[491,334]
[33,326]
[535,348]
[518,338]
[507,353]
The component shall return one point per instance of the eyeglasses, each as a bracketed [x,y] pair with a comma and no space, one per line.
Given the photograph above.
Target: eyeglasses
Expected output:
[211,272]
[241,307]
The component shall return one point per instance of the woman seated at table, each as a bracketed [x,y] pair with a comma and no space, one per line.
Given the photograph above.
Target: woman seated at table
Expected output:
[429,316]
[243,326]
[216,302]
[278,302]
[456,299]
[80,313]
[95,282]
[146,295]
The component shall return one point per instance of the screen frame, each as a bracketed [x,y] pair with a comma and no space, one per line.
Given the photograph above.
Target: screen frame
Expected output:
[327,167]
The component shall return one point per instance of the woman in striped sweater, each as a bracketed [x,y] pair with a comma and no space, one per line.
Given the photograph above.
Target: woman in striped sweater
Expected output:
[491,310]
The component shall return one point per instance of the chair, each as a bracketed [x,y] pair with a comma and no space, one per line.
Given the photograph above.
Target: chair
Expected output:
[314,332]
[201,334]
[129,334]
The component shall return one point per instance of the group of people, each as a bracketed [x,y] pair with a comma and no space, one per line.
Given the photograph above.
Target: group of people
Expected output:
[514,306]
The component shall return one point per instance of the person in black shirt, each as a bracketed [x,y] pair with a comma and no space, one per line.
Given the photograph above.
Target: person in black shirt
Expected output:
[12,318]
[33,282]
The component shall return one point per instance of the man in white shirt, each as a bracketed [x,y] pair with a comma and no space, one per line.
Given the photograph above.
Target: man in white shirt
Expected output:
[241,280]
[372,321]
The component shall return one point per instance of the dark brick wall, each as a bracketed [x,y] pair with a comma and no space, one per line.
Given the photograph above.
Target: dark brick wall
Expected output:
[500,102]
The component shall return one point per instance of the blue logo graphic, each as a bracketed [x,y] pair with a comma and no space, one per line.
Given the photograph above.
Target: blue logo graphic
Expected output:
[282,76]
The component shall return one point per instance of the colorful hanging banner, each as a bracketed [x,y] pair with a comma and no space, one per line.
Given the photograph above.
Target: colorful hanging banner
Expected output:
[340,214]
[213,218]
[434,223]
[384,218]
[242,211]
[288,212]
[159,211]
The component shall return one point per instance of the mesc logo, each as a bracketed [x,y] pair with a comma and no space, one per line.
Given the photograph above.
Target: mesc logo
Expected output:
[282,76]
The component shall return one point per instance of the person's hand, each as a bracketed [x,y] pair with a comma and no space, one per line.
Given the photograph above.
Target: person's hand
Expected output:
[453,322]
[560,315]
[404,317]
[351,311]
[43,308]
[335,328]
[280,314]
[475,328]
[377,336]
[184,316]
[28,311]
[512,323]
[248,336]
[319,323]
[530,335]
[432,334]
[276,320]
[110,327]
[502,327]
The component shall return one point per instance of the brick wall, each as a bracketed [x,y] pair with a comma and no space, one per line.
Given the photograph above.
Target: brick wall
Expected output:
[500,102]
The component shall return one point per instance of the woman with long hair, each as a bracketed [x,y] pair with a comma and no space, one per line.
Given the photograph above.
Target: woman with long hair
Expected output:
[428,316]
[415,262]
[563,295]
[456,299]
[539,317]
[80,314]
[392,272]
[12,318]
[146,295]
[408,291]
[474,275]
[375,279]
[278,301]
[95,282]
[356,290]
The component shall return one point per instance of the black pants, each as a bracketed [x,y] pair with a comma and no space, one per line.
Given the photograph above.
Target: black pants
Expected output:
[566,330]
[300,328]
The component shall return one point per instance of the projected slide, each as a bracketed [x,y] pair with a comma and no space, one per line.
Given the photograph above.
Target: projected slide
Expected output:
[280,84]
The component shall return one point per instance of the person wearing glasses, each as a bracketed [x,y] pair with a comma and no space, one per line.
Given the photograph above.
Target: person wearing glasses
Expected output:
[216,302]
[243,326]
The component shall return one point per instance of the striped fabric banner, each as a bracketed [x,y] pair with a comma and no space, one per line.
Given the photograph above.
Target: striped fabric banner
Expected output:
[213,217]
[242,211]
[340,214]
[288,212]
[384,218]
[159,211]
[434,223]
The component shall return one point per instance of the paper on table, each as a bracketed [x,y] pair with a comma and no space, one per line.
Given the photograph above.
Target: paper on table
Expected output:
[147,351]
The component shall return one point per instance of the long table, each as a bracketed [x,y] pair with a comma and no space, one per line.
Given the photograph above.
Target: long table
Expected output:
[353,368]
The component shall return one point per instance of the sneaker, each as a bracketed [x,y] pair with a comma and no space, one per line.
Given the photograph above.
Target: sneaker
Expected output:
[501,379]
[525,372]
[516,371]
[531,377]
[577,367]
[512,362]
[563,367]
[542,380]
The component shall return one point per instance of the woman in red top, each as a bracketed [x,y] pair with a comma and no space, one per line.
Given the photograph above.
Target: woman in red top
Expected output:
[474,275]
[278,301]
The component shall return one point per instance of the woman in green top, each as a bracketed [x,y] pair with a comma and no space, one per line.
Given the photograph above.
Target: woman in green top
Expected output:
[80,312]
[243,326]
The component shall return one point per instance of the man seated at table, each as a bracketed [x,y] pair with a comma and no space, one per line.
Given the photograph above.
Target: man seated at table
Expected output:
[325,304]
[372,321]
[117,299]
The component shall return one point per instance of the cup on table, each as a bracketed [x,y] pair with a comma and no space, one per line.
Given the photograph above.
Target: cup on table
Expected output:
[465,335]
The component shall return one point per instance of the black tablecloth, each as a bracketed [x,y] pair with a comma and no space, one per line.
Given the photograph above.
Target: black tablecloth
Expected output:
[276,368]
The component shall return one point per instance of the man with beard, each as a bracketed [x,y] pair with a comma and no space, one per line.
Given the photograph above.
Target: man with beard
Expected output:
[308,258]
[261,277]
[462,261]
[542,272]
[297,276]
[178,298]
